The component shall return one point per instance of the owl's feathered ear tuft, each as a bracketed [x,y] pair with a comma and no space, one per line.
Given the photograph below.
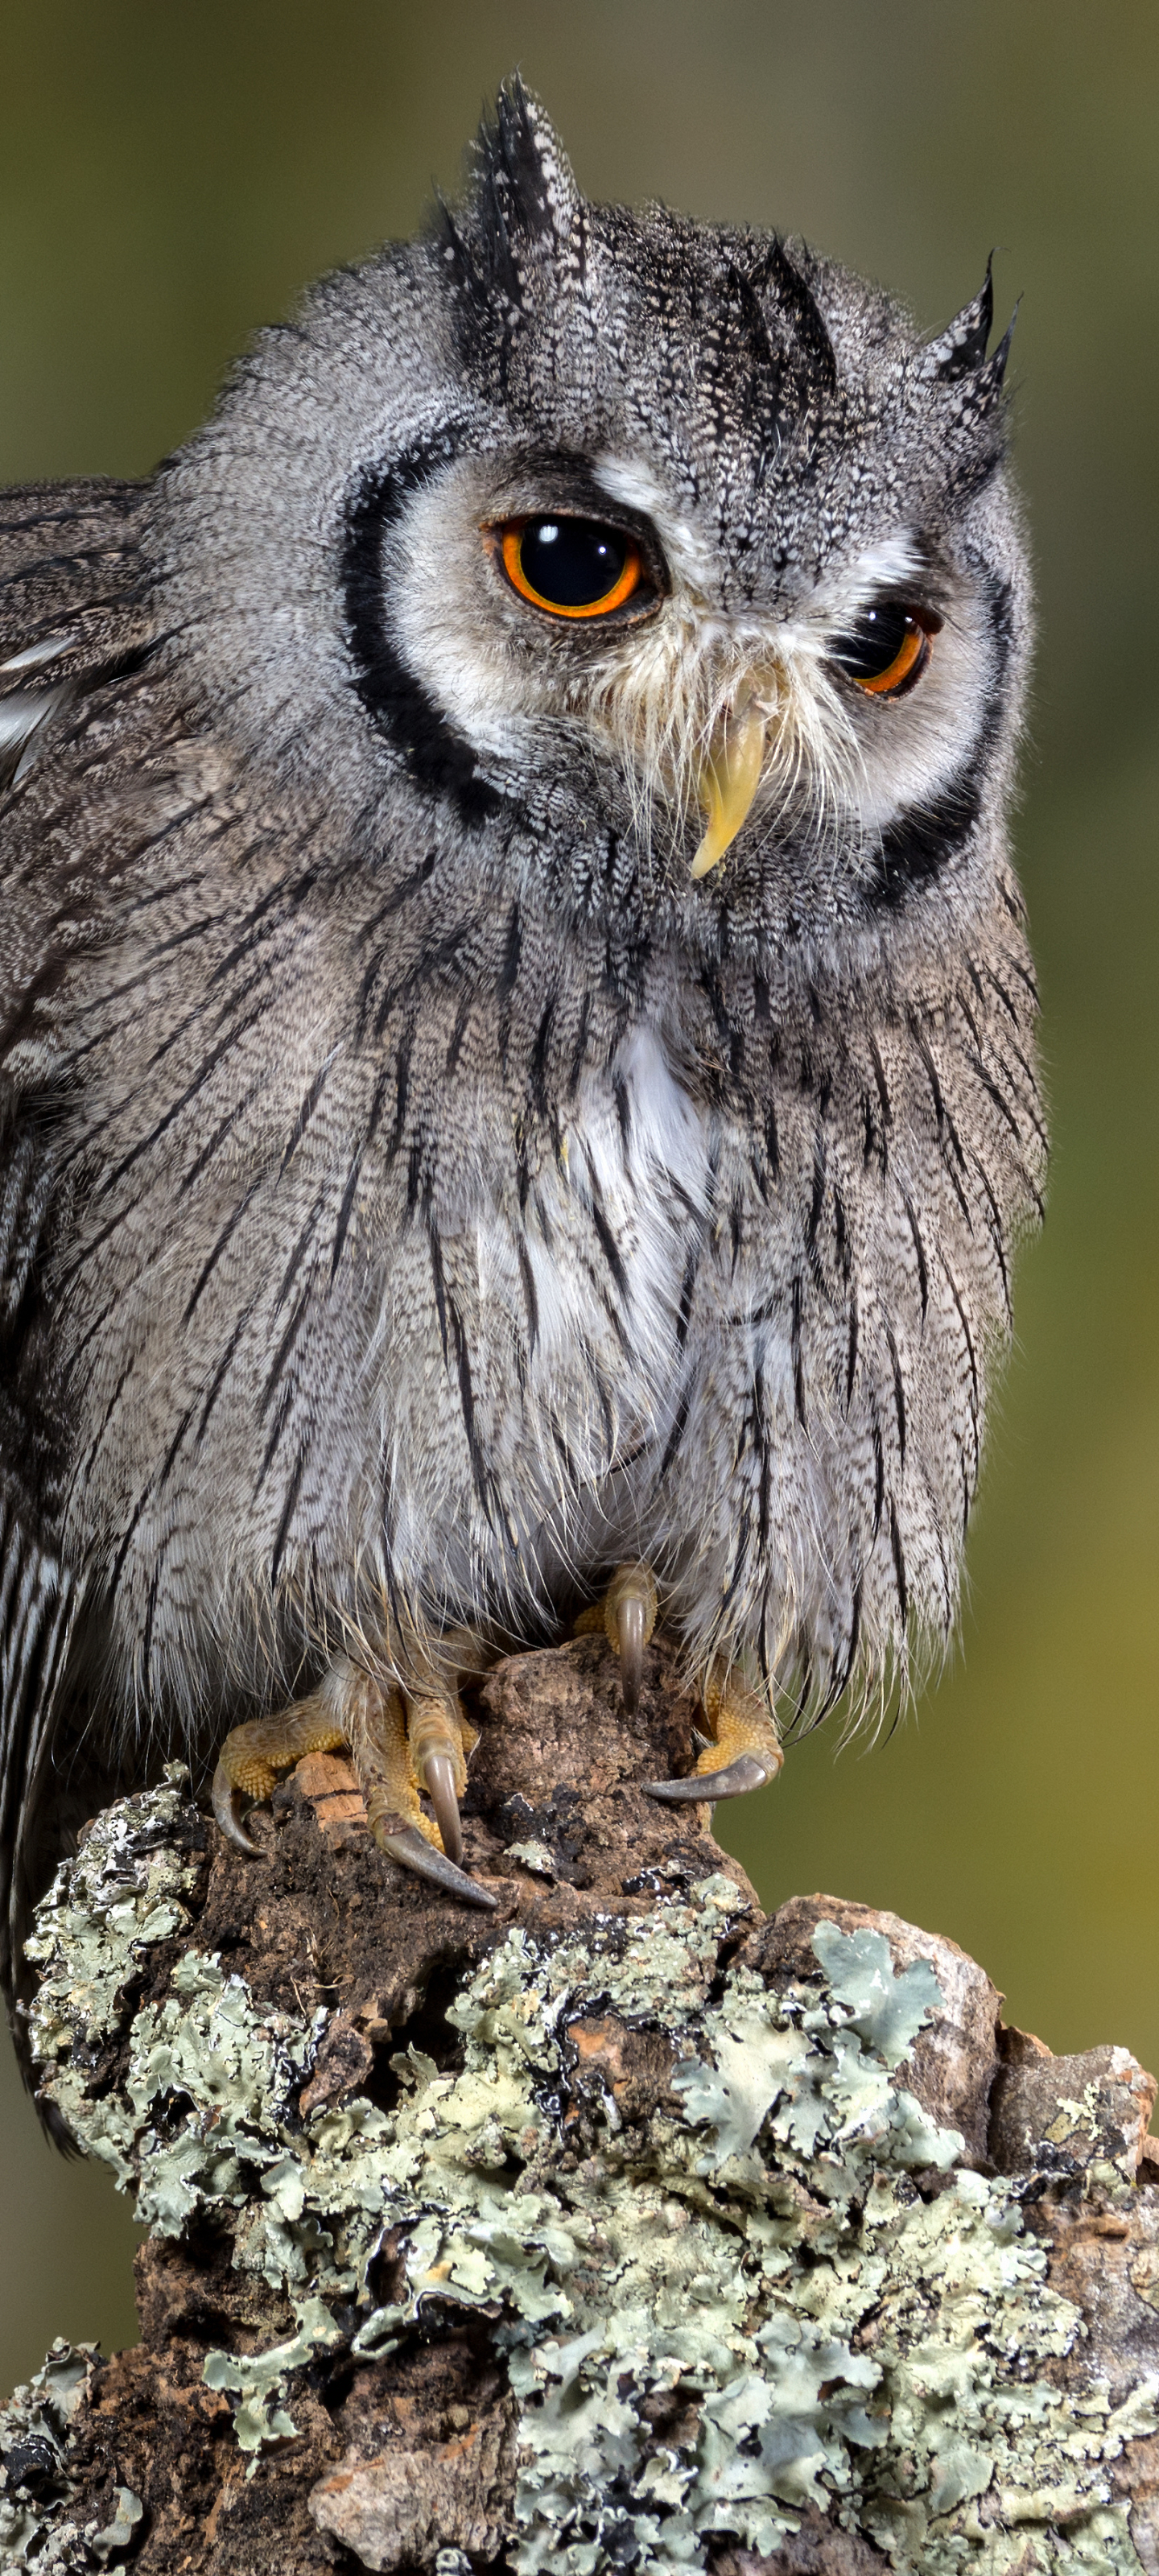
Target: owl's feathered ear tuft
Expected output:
[960,350]
[967,383]
[798,304]
[526,171]
[961,347]
[525,210]
[990,379]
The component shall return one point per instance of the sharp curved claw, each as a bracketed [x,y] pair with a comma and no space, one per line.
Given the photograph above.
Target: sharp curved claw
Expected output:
[439,1783]
[737,1778]
[631,1638]
[406,1845]
[224,1797]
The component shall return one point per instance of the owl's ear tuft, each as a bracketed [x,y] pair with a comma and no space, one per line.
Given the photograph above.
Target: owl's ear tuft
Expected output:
[525,208]
[968,386]
[529,172]
[785,279]
[960,349]
[989,380]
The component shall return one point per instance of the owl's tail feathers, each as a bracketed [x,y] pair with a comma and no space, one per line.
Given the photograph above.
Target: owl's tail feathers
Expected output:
[627,1615]
[743,1730]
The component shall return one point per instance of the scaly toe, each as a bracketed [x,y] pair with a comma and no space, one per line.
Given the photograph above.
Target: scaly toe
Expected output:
[254,1753]
[399,1747]
[742,1728]
[437,1738]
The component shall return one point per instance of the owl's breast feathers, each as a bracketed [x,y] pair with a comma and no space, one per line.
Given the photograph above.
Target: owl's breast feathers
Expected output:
[385,1256]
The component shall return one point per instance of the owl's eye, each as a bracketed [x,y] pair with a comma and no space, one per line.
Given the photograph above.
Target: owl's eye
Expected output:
[572,567]
[888,649]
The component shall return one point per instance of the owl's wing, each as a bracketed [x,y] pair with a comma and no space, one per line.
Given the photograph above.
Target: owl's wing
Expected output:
[73,616]
[70,565]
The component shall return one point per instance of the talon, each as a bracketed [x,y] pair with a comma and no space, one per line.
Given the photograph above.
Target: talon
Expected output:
[225,1808]
[438,1776]
[631,1638]
[734,1781]
[399,1743]
[437,1763]
[742,1728]
[630,1606]
[405,1844]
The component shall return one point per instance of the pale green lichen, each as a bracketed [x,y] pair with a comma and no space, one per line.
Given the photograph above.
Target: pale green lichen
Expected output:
[739,2307]
[124,1890]
[535,1856]
[37,2529]
[118,2534]
[256,2377]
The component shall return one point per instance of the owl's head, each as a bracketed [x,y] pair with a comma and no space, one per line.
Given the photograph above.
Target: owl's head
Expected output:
[666,569]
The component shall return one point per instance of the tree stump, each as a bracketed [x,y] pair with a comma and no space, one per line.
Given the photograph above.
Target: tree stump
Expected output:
[624,2228]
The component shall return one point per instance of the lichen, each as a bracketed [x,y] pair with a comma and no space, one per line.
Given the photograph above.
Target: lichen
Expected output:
[257,2377]
[780,2288]
[37,2529]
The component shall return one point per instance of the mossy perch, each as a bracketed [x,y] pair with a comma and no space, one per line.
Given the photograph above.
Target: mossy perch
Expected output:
[626,2229]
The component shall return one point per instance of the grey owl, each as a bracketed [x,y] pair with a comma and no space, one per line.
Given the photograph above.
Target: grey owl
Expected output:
[517,1029]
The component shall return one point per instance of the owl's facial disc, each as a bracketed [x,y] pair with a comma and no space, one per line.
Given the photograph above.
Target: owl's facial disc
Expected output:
[539,600]
[885,657]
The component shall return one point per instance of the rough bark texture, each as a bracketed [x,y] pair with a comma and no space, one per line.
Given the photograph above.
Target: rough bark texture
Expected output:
[625,2228]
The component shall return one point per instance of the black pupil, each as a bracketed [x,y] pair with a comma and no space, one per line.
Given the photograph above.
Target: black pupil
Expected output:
[875,642]
[572,562]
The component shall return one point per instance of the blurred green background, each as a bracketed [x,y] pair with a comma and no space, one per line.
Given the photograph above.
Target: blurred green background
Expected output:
[169,178]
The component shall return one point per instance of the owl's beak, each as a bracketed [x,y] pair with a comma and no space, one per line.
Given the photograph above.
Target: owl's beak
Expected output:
[728,783]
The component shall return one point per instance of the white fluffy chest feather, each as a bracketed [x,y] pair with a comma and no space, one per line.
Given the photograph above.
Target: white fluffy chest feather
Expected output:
[615,1231]
[572,1336]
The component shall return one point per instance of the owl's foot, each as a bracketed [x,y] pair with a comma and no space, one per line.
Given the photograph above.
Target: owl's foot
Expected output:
[399,1743]
[253,1755]
[420,1740]
[627,1615]
[743,1733]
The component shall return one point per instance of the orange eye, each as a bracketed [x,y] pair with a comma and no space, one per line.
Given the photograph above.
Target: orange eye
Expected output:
[887,651]
[571,567]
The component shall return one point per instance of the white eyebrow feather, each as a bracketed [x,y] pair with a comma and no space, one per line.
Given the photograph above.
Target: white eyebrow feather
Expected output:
[844,588]
[626,480]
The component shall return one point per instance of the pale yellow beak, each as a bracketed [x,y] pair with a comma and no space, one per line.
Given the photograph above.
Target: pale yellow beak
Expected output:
[728,783]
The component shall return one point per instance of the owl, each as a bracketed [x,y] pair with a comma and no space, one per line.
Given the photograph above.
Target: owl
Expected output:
[517,1041]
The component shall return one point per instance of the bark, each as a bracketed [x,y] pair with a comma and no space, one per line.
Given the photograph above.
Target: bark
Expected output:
[625,2228]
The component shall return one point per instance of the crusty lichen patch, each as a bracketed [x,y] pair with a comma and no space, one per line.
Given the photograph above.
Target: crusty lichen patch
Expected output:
[774,2285]
[39,2528]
